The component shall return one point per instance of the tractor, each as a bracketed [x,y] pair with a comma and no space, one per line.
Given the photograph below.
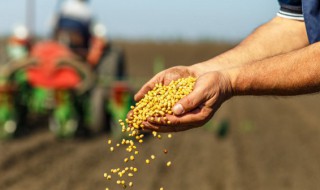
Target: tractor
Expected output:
[53,81]
[76,78]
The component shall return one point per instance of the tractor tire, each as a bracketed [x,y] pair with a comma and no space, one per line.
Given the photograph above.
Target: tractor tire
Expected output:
[11,125]
[97,110]
[111,68]
[64,131]
[8,130]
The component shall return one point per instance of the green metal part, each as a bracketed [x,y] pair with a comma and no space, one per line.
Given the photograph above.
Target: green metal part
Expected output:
[119,111]
[7,118]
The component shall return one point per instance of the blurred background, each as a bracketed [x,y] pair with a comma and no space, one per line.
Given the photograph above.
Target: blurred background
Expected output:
[68,72]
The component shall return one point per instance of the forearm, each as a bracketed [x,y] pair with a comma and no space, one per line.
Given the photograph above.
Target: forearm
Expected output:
[276,37]
[293,73]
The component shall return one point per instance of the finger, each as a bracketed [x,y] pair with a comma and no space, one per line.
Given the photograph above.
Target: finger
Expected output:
[129,114]
[190,120]
[147,87]
[164,77]
[195,117]
[144,131]
[158,120]
[190,102]
[163,128]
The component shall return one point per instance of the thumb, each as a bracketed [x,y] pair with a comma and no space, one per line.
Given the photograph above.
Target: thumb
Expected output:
[188,103]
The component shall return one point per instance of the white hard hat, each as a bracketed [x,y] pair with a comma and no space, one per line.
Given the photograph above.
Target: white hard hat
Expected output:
[76,9]
[99,30]
[21,32]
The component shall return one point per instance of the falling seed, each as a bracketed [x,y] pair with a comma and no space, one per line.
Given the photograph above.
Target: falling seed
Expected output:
[155,105]
[154,133]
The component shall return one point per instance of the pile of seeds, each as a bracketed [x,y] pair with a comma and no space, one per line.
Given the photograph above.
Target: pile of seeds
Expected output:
[155,105]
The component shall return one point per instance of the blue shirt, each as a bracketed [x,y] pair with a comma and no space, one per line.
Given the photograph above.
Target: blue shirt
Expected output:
[307,10]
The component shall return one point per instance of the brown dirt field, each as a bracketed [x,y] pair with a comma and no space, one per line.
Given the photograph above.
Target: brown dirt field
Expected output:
[273,143]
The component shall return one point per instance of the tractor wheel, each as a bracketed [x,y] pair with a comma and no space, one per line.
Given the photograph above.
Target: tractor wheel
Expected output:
[111,68]
[8,129]
[10,124]
[66,129]
[98,110]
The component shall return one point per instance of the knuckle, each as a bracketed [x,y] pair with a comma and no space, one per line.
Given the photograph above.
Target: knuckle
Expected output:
[190,101]
[203,114]
[177,122]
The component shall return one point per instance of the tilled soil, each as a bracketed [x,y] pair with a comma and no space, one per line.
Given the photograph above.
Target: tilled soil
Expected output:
[272,143]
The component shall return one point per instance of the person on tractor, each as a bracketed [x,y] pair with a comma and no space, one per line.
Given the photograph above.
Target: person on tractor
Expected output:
[19,43]
[75,27]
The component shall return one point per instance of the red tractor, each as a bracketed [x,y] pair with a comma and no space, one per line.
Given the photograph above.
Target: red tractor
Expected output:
[55,82]
[73,78]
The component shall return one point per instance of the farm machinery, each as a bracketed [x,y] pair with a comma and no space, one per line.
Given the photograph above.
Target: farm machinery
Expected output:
[55,82]
[75,79]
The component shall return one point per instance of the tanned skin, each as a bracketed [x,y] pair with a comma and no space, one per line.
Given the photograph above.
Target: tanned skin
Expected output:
[276,59]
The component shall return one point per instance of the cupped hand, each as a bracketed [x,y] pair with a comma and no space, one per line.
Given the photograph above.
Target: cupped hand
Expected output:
[210,91]
[165,77]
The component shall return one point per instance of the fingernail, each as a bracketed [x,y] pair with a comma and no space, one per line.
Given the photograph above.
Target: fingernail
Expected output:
[178,109]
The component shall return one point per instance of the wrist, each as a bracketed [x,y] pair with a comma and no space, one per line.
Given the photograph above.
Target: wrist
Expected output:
[198,69]
[205,67]
[232,76]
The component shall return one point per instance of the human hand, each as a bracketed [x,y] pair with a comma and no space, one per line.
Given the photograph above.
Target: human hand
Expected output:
[210,91]
[165,77]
